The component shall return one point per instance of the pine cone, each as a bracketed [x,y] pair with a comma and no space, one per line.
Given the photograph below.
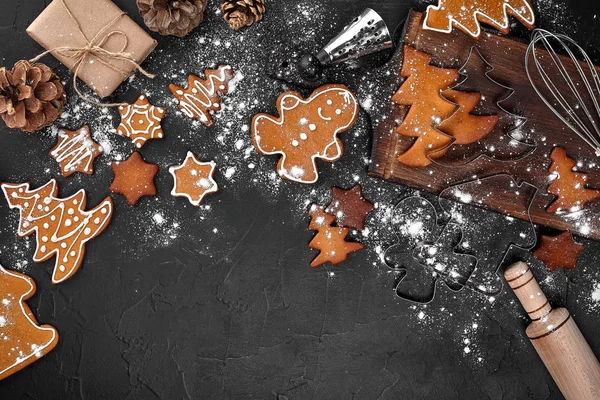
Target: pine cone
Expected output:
[31,96]
[167,17]
[241,13]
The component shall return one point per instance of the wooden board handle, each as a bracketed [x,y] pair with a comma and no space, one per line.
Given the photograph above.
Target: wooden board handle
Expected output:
[556,338]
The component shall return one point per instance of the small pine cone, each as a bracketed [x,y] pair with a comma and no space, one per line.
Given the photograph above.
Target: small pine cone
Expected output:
[241,13]
[168,17]
[31,96]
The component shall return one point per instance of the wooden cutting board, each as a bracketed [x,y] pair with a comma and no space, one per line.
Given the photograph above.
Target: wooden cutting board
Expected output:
[542,129]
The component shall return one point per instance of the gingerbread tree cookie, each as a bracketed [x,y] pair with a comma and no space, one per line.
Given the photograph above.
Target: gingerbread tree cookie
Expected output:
[568,186]
[140,121]
[558,251]
[193,179]
[494,132]
[463,126]
[306,130]
[62,226]
[75,151]
[422,92]
[349,207]
[22,340]
[202,95]
[330,240]
[134,178]
[438,117]
[467,14]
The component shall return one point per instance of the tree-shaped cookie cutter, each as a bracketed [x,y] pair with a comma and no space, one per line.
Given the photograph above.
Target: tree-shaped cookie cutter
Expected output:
[528,147]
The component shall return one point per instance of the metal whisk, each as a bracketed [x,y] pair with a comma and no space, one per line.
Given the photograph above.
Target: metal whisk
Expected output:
[580,109]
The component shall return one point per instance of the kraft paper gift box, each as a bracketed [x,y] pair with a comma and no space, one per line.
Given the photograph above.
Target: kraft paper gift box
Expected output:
[54,28]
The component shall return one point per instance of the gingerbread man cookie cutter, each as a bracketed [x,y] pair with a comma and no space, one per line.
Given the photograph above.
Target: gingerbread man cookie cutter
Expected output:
[457,283]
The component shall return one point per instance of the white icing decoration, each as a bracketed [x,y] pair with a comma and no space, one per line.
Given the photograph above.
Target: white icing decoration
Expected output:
[70,240]
[151,131]
[320,112]
[207,183]
[191,104]
[503,24]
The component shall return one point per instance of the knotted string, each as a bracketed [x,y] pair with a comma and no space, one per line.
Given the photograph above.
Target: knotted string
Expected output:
[93,49]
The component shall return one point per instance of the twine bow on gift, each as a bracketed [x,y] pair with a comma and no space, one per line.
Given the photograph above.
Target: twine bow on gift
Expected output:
[94,48]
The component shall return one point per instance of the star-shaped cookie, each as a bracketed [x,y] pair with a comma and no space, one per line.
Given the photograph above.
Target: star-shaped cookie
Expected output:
[134,178]
[558,251]
[193,179]
[350,207]
[75,151]
[140,121]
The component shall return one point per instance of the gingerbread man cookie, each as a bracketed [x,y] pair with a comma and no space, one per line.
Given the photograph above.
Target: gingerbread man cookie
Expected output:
[193,179]
[140,121]
[75,151]
[22,340]
[62,226]
[466,15]
[306,130]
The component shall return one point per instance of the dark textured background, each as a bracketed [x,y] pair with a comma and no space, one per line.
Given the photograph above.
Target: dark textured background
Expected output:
[227,308]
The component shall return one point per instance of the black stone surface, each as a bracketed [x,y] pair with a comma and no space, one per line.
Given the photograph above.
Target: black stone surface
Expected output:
[224,305]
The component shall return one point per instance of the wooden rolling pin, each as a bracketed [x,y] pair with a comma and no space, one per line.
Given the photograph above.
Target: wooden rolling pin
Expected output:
[557,339]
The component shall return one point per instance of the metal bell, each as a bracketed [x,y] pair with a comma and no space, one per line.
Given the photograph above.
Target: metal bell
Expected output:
[367,34]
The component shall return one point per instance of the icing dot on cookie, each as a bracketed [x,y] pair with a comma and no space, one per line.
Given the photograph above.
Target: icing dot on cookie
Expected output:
[43,249]
[74,201]
[44,238]
[68,222]
[303,136]
[63,245]
[312,127]
[53,218]
[71,211]
[329,102]
[97,220]
[303,121]
[338,111]
[47,200]
[75,219]
[87,231]
[103,211]
[62,268]
[73,254]
[141,121]
[295,143]
[142,97]
[46,226]
[2,322]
